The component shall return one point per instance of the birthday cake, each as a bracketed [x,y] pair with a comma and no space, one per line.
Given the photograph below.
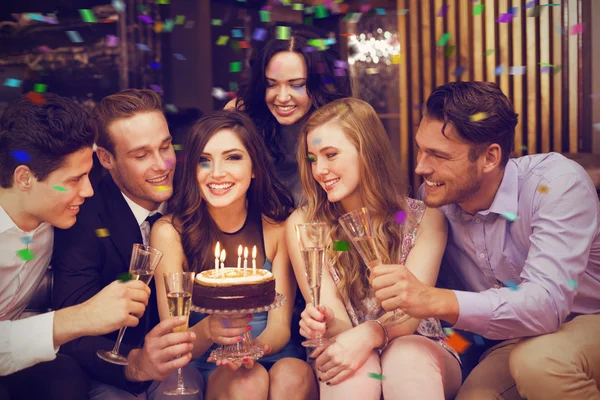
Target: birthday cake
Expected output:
[232,288]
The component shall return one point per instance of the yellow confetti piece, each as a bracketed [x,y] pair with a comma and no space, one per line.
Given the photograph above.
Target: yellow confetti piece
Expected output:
[543,189]
[478,117]
[102,232]
[177,147]
[163,188]
[396,58]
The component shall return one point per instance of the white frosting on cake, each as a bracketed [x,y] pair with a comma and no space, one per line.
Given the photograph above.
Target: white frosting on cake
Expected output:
[232,276]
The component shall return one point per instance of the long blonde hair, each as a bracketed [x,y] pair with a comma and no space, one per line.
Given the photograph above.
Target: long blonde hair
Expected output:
[382,191]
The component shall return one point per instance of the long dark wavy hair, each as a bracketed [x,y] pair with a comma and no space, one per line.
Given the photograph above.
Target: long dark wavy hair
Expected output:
[322,85]
[191,218]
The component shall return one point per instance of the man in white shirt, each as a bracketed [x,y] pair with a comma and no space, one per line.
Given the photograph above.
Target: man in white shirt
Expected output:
[134,145]
[45,158]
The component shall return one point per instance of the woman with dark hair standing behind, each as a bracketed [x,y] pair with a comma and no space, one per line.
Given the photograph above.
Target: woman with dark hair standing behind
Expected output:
[289,79]
[228,194]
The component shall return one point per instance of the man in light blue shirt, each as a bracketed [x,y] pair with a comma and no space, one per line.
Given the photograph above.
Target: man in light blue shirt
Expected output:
[523,252]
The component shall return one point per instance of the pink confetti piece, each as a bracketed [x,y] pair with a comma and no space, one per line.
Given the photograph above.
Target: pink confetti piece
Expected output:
[400,217]
[112,40]
[45,49]
[577,29]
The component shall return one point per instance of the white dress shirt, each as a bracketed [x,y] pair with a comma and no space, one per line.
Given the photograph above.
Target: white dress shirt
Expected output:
[140,214]
[29,341]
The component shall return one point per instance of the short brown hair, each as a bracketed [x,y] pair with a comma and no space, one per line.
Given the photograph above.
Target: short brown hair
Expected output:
[124,104]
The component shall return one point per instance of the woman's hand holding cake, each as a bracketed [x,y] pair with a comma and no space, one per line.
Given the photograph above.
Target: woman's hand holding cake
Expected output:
[226,330]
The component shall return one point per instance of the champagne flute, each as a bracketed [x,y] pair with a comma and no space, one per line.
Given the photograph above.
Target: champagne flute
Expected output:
[179,287]
[312,239]
[144,260]
[358,227]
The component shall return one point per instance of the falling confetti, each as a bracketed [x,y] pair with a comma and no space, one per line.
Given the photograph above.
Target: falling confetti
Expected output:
[458,343]
[510,216]
[155,65]
[222,40]
[87,15]
[265,16]
[112,40]
[480,116]
[259,34]
[25,254]
[205,165]
[217,22]
[403,11]
[478,9]
[489,52]
[163,188]
[400,217]
[235,66]
[505,18]
[118,5]
[572,284]
[40,87]
[124,277]
[26,239]
[443,11]
[219,93]
[143,47]
[179,56]
[543,189]
[20,156]
[511,284]
[145,19]
[576,29]
[316,141]
[102,232]
[443,40]
[177,147]
[283,32]
[35,97]
[450,51]
[12,82]
[321,12]
[448,331]
[376,376]
[499,69]
[517,70]
[74,36]
[311,158]
[156,88]
[59,188]
[459,71]
[179,19]
[340,245]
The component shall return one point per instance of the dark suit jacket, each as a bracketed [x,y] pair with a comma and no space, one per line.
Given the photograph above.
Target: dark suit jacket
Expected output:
[84,263]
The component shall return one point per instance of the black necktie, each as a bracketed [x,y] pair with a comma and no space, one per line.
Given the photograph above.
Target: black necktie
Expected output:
[153,218]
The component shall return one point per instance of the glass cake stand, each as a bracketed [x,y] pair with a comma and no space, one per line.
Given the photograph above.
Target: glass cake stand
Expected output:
[245,349]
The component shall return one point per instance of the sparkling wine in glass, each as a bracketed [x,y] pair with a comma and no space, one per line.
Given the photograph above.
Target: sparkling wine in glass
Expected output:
[144,260]
[358,227]
[312,239]
[179,287]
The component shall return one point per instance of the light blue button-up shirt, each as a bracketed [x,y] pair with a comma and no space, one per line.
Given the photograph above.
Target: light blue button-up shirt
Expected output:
[524,277]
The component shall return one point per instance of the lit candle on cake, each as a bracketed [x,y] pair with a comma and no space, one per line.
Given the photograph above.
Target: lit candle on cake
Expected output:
[240,256]
[222,261]
[245,259]
[217,251]
[254,260]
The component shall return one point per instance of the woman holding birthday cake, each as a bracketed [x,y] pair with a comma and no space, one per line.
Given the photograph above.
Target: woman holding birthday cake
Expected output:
[347,165]
[228,195]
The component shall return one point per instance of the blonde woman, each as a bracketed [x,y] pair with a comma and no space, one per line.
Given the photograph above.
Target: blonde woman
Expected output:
[346,163]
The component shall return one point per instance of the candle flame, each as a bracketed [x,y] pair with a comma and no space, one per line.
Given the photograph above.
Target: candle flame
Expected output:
[240,251]
[223,255]
[254,252]
[217,250]
[245,252]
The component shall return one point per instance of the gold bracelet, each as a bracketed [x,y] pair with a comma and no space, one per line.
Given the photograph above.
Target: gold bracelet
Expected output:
[386,338]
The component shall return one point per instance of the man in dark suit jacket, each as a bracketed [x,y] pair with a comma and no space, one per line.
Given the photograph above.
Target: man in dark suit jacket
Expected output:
[134,145]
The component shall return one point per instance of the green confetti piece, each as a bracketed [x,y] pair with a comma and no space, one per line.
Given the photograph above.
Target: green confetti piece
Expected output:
[25,254]
[214,22]
[478,9]
[283,32]
[321,12]
[449,51]
[40,87]
[572,284]
[545,64]
[510,216]
[142,9]
[448,331]
[308,20]
[233,86]
[87,15]
[444,39]
[490,51]
[222,40]
[180,19]
[376,376]
[318,43]
[124,277]
[265,16]
[59,188]
[311,158]
[162,2]
[298,7]
[235,66]
[168,25]
[177,147]
[340,245]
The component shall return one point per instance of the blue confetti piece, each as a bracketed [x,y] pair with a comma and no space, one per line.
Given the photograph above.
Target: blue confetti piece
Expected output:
[205,165]
[20,155]
[74,36]
[530,4]
[237,33]
[510,216]
[499,69]
[118,5]
[572,284]
[142,46]
[512,285]
[179,56]
[316,141]
[380,11]
[155,65]
[26,239]
[478,340]
[459,71]
[12,82]
[259,34]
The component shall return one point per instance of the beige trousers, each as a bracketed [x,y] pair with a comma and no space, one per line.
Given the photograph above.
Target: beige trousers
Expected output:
[564,365]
